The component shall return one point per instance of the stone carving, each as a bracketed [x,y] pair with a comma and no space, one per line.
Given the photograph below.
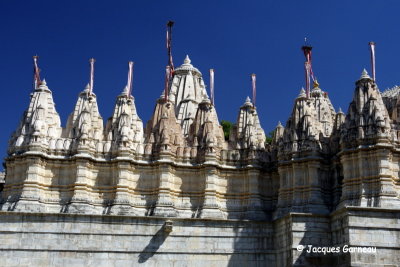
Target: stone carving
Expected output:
[186,92]
[124,129]
[185,130]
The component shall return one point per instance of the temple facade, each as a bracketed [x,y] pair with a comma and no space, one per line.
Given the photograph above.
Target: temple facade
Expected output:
[176,192]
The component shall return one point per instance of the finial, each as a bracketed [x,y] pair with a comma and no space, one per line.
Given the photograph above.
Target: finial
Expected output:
[302,93]
[364,74]
[87,88]
[316,84]
[187,60]
[125,91]
[279,125]
[247,103]
[43,84]
[340,110]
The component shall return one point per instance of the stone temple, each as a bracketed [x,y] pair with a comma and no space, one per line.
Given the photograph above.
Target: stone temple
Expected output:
[175,192]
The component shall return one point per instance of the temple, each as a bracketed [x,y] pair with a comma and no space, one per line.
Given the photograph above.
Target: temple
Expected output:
[176,192]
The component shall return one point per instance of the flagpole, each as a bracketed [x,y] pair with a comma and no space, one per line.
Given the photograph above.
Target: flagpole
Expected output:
[372,48]
[36,76]
[169,44]
[91,62]
[307,67]
[167,76]
[212,86]
[253,84]
[130,77]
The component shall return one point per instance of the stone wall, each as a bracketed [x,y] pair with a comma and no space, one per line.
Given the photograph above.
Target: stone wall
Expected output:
[43,239]
[367,227]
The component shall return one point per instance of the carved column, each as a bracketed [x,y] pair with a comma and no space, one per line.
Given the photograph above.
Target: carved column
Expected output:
[282,197]
[298,185]
[254,210]
[31,193]
[81,200]
[122,204]
[386,189]
[210,207]
[165,206]
[315,202]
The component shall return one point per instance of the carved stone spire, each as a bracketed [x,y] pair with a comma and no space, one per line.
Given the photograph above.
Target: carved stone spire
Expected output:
[248,133]
[85,123]
[278,133]
[186,92]
[163,134]
[40,122]
[368,118]
[312,119]
[367,124]
[206,132]
[125,128]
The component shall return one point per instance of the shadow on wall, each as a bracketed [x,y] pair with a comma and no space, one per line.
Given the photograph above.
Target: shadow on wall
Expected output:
[252,246]
[155,243]
[316,234]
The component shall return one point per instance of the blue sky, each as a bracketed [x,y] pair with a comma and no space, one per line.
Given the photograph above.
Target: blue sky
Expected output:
[236,38]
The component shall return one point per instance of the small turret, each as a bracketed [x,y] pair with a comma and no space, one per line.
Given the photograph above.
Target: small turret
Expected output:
[248,132]
[163,134]
[206,130]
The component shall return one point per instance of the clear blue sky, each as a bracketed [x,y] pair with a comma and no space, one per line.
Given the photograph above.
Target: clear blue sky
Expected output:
[236,38]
